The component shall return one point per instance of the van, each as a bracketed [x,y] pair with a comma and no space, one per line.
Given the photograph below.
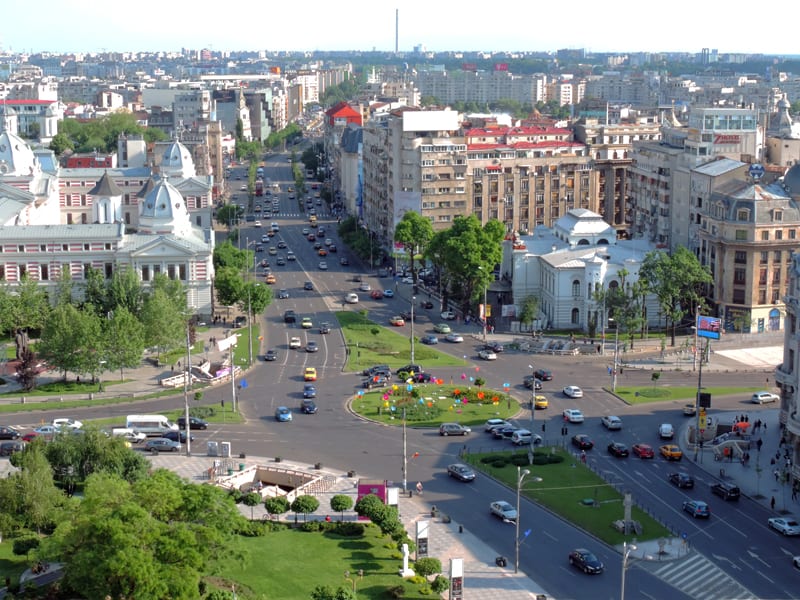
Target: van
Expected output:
[130,434]
[150,425]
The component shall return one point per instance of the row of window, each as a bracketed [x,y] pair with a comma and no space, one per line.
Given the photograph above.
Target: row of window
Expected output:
[85,247]
[46,272]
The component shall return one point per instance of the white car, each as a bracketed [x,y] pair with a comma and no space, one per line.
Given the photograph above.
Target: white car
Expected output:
[448,315]
[455,338]
[365,287]
[666,431]
[351,298]
[408,280]
[295,342]
[763,398]
[573,391]
[784,525]
[502,509]
[493,423]
[487,355]
[257,224]
[573,415]
[611,422]
[67,424]
[323,266]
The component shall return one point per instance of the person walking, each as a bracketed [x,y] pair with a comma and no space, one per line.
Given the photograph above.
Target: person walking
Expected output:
[772,503]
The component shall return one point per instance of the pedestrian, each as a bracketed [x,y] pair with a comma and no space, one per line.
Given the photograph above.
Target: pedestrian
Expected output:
[173,368]
[772,503]
[794,492]
[583,456]
[777,474]
[764,425]
[327,518]
[758,444]
[419,488]
[179,364]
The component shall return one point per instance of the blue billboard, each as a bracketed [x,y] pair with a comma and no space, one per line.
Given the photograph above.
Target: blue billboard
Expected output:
[709,327]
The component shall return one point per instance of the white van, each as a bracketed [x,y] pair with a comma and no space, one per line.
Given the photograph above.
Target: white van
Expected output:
[150,425]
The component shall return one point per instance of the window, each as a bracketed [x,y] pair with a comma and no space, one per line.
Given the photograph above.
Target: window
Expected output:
[792,234]
[576,289]
[762,296]
[777,256]
[741,235]
[764,258]
[742,215]
[778,234]
[145,273]
[182,272]
[739,275]
[576,314]
[764,236]
[778,216]
[738,296]
[740,257]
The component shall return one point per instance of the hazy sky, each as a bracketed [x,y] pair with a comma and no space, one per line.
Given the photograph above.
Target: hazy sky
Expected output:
[435,24]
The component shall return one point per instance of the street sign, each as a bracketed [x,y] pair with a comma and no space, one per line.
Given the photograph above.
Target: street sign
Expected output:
[756,171]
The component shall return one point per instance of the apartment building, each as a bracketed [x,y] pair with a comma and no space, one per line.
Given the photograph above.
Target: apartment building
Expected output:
[468,85]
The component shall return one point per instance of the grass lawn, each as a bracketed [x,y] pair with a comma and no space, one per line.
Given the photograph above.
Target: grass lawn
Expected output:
[274,565]
[11,565]
[646,394]
[564,486]
[372,344]
[429,405]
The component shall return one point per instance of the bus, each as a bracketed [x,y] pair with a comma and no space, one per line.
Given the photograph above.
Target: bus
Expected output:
[259,188]
[150,425]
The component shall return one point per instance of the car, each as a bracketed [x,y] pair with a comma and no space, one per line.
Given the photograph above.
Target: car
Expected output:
[491,424]
[322,252]
[66,423]
[328,241]
[270,278]
[795,559]
[264,263]
[281,261]
[540,402]
[305,231]
[378,381]
[429,340]
[177,436]
[586,561]
[407,280]
[461,472]
[282,245]
[257,224]
[194,423]
[726,491]
[311,237]
[573,391]
[318,246]
[689,409]
[454,338]
[611,422]
[494,347]
[309,390]
[784,525]
[442,328]
[273,251]
[487,354]
[397,321]
[312,346]
[161,444]
[289,316]
[270,355]
[682,480]
[388,294]
[572,415]
[383,370]
[351,298]
[310,374]
[48,431]
[332,249]
[12,447]
[364,287]
[643,451]
[426,304]
[291,256]
[700,510]
[618,449]
[295,342]
[240,321]
[423,378]
[582,441]
[531,382]
[665,431]
[671,452]
[409,368]
[523,437]
[448,315]
[324,327]
[764,398]
[344,261]
[306,323]
[308,407]
[308,286]
[505,433]
[446,429]
[30,436]
[406,314]
[323,266]
[283,294]
[504,510]
[543,374]
[283,414]
[376,295]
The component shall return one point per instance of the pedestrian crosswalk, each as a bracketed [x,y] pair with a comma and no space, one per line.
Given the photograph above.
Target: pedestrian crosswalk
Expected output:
[699,577]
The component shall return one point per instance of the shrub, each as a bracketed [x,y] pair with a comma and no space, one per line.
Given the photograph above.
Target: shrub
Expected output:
[397,591]
[440,584]
[312,526]
[425,590]
[417,579]
[236,494]
[348,529]
[490,458]
[428,566]
[499,463]
[24,544]
[253,528]
[519,460]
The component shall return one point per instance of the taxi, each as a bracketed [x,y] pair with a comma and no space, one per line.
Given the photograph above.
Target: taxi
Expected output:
[540,402]
[270,278]
[306,323]
[310,374]
[671,452]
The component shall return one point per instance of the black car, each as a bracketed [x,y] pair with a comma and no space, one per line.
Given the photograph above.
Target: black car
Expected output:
[377,370]
[332,249]
[307,407]
[271,355]
[461,472]
[494,346]
[281,261]
[289,317]
[585,561]
[324,327]
[308,285]
[374,381]
[309,390]
[177,436]
[343,261]
[426,304]
[618,449]
[582,441]
[543,374]
[529,381]
[423,378]
[682,480]
[194,423]
[406,315]
[281,244]
[410,369]
[504,433]
[726,491]
[9,448]
[9,433]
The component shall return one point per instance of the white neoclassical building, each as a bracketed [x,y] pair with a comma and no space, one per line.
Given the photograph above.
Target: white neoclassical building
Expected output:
[564,265]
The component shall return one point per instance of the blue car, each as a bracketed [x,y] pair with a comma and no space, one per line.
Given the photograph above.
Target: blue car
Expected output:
[430,340]
[283,414]
[309,391]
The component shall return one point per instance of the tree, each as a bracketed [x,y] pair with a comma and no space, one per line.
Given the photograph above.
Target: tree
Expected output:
[305,504]
[228,255]
[61,342]
[229,215]
[125,291]
[427,566]
[528,310]
[252,500]
[163,322]
[341,503]
[123,341]
[255,296]
[326,592]
[276,505]
[27,371]
[415,233]
[29,305]
[677,280]
[229,286]
[95,291]
[61,143]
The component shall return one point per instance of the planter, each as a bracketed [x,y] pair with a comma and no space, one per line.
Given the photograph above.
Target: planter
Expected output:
[318,466]
[277,459]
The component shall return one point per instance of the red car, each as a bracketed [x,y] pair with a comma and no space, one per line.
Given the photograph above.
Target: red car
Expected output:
[311,237]
[643,451]
[30,436]
[376,295]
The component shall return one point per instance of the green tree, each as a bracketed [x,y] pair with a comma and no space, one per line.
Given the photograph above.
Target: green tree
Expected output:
[228,255]
[427,566]
[326,592]
[164,323]
[229,286]
[305,504]
[341,503]
[255,296]
[61,343]
[252,500]
[28,305]
[415,233]
[125,291]
[677,280]
[123,341]
[95,291]
[276,505]
[528,310]
[229,215]
[60,143]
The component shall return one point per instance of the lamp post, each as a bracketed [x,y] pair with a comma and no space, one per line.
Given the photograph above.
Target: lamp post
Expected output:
[520,477]
[533,401]
[616,356]
[485,312]
[626,552]
[413,301]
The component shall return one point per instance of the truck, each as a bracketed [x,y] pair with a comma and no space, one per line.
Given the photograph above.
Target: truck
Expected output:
[259,188]
[150,425]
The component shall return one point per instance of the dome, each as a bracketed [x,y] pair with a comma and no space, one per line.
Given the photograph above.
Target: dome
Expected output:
[791,181]
[16,157]
[176,161]
[164,210]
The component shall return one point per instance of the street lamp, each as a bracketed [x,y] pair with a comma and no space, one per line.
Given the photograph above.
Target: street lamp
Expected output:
[626,552]
[533,401]
[616,356]
[521,475]
[413,301]
[485,312]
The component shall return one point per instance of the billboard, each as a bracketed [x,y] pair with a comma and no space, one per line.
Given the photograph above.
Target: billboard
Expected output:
[708,327]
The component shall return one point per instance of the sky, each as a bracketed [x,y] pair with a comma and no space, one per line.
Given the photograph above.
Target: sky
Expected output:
[524,25]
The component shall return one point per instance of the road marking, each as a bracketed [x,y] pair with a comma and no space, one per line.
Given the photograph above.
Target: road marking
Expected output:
[699,577]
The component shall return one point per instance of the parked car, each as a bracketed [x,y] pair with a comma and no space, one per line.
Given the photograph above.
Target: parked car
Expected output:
[573,391]
[423,378]
[700,510]
[283,414]
[177,436]
[448,315]
[504,510]
[573,415]
[726,491]
[11,447]
[66,423]
[376,381]
[682,480]
[160,444]
[194,423]
[586,561]
[446,429]
[643,451]
[784,525]
[611,422]
[582,441]
[410,368]
[377,370]
[618,449]
[461,472]
[764,398]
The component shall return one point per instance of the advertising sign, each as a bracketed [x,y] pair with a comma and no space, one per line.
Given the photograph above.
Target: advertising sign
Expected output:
[708,327]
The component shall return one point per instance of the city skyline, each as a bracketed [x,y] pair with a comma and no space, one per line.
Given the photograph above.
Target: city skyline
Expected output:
[158,26]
